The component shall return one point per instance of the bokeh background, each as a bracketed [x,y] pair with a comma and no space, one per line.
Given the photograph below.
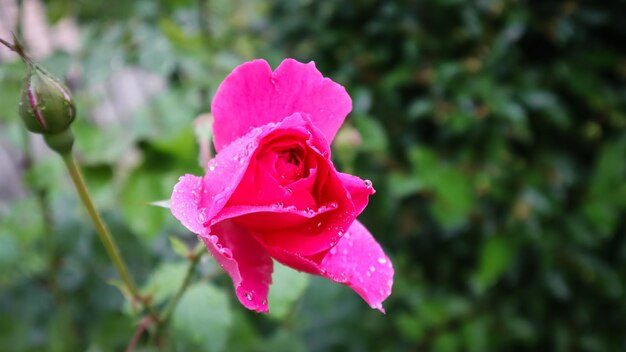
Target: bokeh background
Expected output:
[493,130]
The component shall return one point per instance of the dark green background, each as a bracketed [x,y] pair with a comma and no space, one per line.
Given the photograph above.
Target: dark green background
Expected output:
[493,130]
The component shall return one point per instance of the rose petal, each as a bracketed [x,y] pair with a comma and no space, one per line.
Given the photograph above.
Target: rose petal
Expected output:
[256,216]
[244,259]
[185,199]
[252,95]
[359,262]
[359,190]
[324,230]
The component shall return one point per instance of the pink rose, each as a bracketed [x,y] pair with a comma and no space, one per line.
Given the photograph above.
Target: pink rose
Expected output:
[272,190]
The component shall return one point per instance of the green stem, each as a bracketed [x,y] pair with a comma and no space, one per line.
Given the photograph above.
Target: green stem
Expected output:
[105,236]
[194,259]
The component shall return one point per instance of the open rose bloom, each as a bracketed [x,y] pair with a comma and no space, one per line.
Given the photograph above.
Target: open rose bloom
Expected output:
[272,190]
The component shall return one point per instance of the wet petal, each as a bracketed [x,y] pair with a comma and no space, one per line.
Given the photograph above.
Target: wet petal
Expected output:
[359,262]
[359,190]
[186,198]
[252,95]
[246,262]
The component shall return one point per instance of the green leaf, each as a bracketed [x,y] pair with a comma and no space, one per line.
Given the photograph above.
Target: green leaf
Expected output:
[288,285]
[607,191]
[454,197]
[165,281]
[202,319]
[96,145]
[285,341]
[453,189]
[373,134]
[420,108]
[179,247]
[141,188]
[496,257]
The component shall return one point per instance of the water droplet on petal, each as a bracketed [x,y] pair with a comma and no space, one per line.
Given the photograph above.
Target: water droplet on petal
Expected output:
[368,274]
[227,252]
[213,238]
[248,295]
[382,260]
[372,269]
[333,250]
[202,215]
[368,183]
[264,302]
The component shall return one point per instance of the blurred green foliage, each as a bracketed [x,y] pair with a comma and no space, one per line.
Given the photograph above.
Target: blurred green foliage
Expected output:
[494,132]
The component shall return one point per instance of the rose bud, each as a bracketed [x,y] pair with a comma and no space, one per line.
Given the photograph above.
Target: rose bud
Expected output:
[47,108]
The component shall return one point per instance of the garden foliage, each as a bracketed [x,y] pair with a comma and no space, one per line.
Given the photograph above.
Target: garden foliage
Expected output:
[493,131]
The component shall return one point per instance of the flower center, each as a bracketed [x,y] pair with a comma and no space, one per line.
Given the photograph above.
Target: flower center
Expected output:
[289,165]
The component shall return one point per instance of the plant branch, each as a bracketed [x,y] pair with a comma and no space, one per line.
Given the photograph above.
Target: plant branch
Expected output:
[143,325]
[8,45]
[194,259]
[17,48]
[104,234]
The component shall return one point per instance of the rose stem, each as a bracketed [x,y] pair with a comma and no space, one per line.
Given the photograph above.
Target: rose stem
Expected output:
[194,259]
[103,232]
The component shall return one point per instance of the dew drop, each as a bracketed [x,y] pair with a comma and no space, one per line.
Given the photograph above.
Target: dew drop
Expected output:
[248,295]
[368,274]
[213,238]
[368,183]
[333,250]
[264,302]
[372,269]
[202,215]
[382,260]
[227,252]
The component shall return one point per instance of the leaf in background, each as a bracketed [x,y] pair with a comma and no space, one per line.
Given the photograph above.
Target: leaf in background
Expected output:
[453,189]
[179,247]
[21,229]
[420,108]
[372,134]
[95,144]
[141,187]
[284,341]
[165,281]
[287,286]
[606,198]
[403,185]
[12,76]
[202,319]
[496,257]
